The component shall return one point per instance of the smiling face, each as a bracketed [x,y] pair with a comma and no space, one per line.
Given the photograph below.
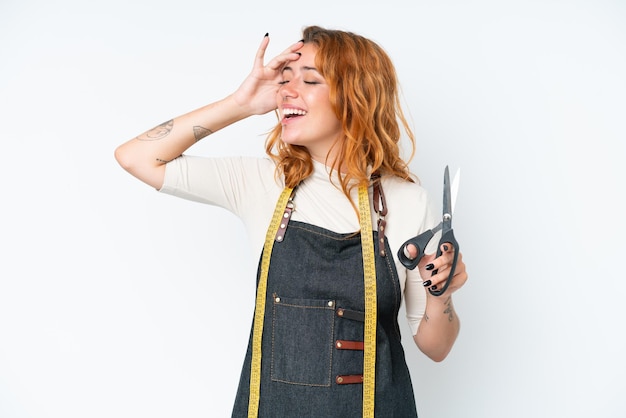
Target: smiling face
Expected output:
[307,115]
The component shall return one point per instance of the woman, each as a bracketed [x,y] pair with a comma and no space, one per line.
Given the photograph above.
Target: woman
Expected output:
[333,156]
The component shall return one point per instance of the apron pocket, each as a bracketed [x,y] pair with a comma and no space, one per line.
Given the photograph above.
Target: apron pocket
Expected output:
[302,340]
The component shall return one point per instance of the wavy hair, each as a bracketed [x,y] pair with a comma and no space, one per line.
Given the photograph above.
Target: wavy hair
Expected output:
[364,95]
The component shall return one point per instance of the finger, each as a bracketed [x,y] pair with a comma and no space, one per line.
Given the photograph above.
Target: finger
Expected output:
[443,282]
[411,251]
[260,53]
[440,276]
[439,267]
[439,263]
[446,247]
[459,278]
[294,47]
[280,61]
[289,54]
[426,260]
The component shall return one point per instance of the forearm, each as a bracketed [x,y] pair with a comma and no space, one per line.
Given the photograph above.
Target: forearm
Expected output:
[145,156]
[438,328]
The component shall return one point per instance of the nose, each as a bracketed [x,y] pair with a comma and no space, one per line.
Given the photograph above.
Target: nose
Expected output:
[288,91]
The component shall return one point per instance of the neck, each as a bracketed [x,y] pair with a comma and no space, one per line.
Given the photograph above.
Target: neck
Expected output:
[328,159]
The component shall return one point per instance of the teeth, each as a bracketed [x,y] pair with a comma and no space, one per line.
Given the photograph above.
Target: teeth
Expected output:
[290,112]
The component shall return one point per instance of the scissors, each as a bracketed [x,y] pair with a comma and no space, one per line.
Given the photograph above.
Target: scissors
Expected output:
[447,235]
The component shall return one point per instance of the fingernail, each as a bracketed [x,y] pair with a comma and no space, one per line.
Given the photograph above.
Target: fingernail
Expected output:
[434,287]
[301,40]
[427,283]
[267,34]
[299,53]
[445,247]
[430,266]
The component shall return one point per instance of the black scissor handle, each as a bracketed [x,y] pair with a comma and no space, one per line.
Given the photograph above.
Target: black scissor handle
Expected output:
[420,241]
[447,238]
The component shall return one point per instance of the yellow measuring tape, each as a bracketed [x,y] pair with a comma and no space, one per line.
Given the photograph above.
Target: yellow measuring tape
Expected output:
[369,276]
[259,310]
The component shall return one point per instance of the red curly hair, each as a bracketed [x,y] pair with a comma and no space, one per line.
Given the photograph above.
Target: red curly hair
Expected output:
[364,94]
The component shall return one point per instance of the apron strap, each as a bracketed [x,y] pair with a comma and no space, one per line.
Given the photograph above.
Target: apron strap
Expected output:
[380,207]
[289,208]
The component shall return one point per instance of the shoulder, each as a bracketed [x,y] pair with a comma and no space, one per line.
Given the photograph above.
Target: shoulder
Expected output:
[401,191]
[409,208]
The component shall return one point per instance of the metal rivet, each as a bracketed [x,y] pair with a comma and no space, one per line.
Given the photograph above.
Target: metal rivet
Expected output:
[338,344]
[286,215]
[277,299]
[282,225]
[339,379]
[340,312]
[331,303]
[279,238]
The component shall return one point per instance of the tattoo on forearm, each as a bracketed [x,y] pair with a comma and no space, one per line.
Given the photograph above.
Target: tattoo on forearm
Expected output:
[158,132]
[200,132]
[449,309]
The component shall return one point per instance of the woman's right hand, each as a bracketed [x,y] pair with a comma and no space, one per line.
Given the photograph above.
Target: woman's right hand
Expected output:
[145,156]
[258,91]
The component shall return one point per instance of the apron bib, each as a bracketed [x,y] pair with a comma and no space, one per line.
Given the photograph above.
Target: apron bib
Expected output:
[313,331]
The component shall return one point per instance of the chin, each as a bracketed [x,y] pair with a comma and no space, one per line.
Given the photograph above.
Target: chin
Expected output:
[289,139]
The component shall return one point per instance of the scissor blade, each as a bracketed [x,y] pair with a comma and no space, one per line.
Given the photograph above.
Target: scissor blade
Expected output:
[447,199]
[454,189]
[437,228]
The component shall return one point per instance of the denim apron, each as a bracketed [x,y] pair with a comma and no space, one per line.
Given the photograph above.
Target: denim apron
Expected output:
[312,347]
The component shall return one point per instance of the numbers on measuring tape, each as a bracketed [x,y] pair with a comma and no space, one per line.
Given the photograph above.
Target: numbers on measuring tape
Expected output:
[369,277]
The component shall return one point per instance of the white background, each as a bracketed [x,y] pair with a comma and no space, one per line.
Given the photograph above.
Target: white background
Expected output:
[117,301]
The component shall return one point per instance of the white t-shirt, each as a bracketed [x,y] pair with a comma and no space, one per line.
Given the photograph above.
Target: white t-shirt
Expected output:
[249,188]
